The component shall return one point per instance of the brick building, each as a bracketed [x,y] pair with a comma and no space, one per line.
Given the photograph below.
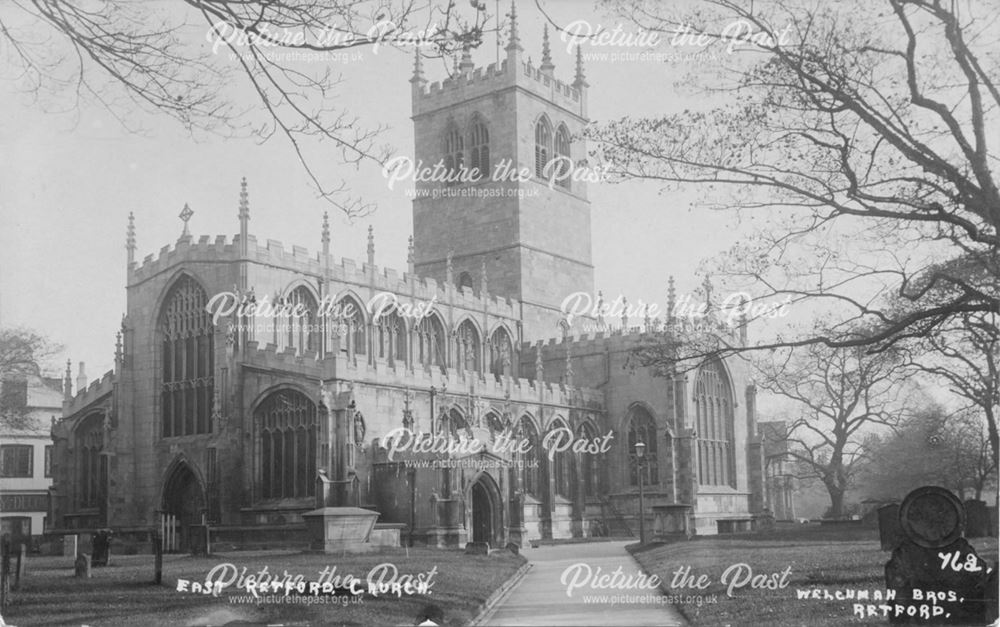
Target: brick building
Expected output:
[248,422]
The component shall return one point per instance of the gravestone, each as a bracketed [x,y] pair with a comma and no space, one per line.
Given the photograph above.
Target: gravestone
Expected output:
[513,548]
[157,559]
[101,545]
[69,546]
[890,534]
[477,548]
[935,573]
[82,566]
[977,519]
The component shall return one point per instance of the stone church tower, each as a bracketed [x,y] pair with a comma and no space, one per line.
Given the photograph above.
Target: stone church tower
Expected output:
[524,225]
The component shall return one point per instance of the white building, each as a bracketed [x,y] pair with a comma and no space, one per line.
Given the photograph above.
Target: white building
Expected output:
[26,454]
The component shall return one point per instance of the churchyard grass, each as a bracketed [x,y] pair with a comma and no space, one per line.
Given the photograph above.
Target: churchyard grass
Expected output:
[820,557]
[122,594]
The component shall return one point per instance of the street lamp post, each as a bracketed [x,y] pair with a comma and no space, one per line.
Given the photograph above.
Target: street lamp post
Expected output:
[640,459]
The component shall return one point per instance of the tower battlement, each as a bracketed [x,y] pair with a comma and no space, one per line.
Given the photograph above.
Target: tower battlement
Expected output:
[481,82]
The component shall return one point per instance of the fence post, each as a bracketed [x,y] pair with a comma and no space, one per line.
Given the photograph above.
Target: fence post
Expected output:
[4,571]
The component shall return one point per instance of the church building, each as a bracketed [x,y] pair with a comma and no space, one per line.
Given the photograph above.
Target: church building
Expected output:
[217,415]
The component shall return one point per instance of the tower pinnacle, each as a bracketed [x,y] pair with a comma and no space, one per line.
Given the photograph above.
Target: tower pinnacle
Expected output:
[579,81]
[547,66]
[130,238]
[514,43]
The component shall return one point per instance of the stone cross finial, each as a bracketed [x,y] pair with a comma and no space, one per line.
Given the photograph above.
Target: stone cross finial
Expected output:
[130,237]
[185,215]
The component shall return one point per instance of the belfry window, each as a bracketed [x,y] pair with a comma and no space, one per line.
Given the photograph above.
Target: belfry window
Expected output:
[564,163]
[714,418]
[454,149]
[187,381]
[287,422]
[543,146]
[479,150]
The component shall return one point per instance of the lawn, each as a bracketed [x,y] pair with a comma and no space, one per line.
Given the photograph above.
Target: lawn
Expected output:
[123,593]
[818,557]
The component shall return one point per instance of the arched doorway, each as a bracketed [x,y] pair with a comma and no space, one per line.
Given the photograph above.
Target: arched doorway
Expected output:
[183,499]
[485,499]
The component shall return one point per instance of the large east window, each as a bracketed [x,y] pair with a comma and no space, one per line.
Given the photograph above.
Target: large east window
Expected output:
[186,391]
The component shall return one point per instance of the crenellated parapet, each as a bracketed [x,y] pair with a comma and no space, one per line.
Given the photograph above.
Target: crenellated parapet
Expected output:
[481,82]
[97,390]
[383,373]
[618,338]
[298,259]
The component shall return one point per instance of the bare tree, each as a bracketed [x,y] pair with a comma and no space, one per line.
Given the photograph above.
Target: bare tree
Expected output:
[933,447]
[133,56]
[964,355]
[841,394]
[22,354]
[862,133]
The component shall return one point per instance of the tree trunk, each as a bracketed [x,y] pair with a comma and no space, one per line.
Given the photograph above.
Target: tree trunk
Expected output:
[836,500]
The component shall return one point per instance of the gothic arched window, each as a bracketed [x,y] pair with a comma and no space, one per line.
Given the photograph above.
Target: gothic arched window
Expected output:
[467,341]
[288,424]
[430,342]
[453,151]
[501,352]
[561,465]
[186,391]
[351,327]
[91,471]
[390,338]
[564,163]
[589,463]
[713,399]
[530,458]
[303,330]
[479,149]
[641,428]
[543,146]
